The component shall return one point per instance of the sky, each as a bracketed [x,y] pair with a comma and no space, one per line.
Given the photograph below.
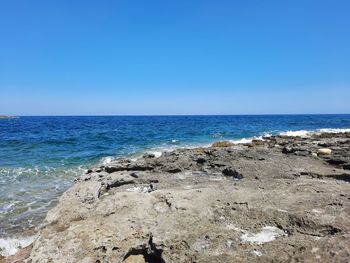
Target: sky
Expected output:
[160,57]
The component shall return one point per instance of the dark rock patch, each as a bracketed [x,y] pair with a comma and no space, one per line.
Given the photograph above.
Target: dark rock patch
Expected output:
[173,170]
[232,172]
[150,253]
[201,160]
[346,166]
[288,149]
[134,167]
[148,156]
[335,161]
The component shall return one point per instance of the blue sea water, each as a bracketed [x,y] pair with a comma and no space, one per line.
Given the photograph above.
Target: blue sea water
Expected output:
[41,156]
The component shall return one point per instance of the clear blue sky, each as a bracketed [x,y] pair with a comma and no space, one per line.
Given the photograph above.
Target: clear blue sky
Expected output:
[174,57]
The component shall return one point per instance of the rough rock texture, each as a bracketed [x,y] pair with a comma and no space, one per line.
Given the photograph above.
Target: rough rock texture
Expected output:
[19,257]
[275,200]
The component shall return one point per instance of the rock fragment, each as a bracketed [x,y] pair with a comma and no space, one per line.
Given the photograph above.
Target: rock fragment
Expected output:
[288,149]
[201,160]
[324,151]
[232,172]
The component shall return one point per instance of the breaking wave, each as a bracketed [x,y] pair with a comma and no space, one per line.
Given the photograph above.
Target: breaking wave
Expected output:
[305,133]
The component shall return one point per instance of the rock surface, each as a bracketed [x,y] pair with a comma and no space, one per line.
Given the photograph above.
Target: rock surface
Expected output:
[275,200]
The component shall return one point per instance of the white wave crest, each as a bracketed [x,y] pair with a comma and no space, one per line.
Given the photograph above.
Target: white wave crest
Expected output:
[9,246]
[158,151]
[334,130]
[301,133]
[243,140]
[249,140]
[305,133]
[107,160]
[156,154]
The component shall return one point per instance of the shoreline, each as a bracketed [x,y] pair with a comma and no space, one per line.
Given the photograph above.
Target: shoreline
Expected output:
[215,172]
[244,140]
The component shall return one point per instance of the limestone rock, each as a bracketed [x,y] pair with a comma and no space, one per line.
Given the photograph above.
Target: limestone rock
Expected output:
[185,207]
[222,144]
[324,151]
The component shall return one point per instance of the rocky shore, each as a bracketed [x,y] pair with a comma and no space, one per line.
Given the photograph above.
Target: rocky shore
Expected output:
[281,199]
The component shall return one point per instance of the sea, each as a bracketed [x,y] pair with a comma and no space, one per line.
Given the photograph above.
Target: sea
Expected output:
[41,156]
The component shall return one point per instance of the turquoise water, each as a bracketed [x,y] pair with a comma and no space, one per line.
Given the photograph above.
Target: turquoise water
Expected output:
[41,156]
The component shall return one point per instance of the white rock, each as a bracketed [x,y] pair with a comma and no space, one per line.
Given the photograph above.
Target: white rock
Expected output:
[324,151]
[267,234]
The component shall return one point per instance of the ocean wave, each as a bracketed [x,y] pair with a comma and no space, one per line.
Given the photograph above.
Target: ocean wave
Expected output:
[306,133]
[156,154]
[107,160]
[250,139]
[9,246]
[329,130]
[241,141]
[300,133]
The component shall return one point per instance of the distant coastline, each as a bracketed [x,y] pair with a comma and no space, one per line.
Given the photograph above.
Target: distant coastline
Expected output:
[7,117]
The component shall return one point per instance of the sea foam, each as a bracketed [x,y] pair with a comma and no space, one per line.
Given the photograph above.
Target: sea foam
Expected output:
[10,246]
[334,130]
[300,133]
[250,139]
[305,133]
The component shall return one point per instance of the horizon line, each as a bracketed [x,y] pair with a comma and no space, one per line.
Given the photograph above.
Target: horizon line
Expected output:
[174,115]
